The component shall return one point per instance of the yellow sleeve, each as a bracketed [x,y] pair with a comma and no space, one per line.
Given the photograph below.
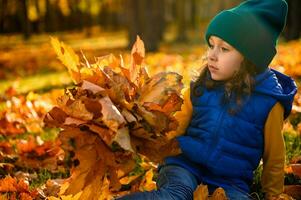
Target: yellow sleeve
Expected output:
[272,179]
[184,115]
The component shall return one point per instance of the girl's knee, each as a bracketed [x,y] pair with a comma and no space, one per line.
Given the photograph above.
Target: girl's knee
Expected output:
[172,174]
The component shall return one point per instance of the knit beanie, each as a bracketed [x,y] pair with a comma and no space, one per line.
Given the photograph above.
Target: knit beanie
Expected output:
[252,28]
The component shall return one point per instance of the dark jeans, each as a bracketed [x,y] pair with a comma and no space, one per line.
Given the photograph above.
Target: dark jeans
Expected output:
[176,183]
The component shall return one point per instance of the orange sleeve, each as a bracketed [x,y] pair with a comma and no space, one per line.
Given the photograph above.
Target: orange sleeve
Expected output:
[272,179]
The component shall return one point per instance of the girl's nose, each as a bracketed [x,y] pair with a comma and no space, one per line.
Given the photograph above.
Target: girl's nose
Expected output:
[212,55]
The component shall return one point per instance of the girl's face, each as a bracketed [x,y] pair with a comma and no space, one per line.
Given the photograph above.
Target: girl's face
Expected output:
[223,59]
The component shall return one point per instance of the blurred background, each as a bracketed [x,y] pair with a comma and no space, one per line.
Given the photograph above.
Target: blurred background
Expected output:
[154,20]
[31,77]
[99,25]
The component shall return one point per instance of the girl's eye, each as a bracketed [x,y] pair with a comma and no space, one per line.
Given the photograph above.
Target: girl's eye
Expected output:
[224,49]
[210,46]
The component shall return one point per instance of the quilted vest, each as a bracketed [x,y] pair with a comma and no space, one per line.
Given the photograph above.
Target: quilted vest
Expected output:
[223,149]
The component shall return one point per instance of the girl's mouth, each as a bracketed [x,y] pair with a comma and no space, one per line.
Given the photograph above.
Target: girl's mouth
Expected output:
[213,68]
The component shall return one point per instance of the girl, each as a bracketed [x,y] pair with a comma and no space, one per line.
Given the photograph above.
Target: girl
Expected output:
[237,107]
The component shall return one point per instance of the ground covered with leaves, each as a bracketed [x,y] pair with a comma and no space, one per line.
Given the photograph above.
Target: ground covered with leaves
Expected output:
[87,134]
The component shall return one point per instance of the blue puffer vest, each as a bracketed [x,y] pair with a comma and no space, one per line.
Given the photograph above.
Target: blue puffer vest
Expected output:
[223,150]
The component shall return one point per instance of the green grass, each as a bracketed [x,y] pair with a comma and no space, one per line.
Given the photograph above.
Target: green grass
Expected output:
[39,82]
[293,146]
[43,175]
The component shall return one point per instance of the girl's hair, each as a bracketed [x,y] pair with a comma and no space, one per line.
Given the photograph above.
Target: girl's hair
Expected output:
[238,87]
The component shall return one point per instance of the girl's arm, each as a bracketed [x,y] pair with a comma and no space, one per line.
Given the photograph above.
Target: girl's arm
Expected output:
[272,179]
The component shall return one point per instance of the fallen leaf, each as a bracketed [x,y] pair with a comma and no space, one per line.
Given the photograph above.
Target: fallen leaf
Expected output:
[201,193]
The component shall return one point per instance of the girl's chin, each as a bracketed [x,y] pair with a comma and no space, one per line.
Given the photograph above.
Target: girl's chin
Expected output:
[217,77]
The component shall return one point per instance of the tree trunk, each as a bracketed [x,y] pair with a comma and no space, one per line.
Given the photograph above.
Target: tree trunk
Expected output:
[146,18]
[181,21]
[293,28]
[3,4]
[23,17]
[51,23]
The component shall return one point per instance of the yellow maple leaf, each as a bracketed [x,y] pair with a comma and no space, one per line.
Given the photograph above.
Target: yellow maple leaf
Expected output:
[68,57]
[219,194]
[201,192]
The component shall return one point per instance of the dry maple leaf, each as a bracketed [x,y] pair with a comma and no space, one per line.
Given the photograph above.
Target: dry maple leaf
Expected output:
[137,57]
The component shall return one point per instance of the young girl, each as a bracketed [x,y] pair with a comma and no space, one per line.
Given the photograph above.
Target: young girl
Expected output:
[234,110]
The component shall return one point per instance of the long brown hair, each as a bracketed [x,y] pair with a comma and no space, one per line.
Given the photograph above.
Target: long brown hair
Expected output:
[239,86]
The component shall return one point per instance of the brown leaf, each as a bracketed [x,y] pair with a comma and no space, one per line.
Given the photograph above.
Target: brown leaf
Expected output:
[111,115]
[159,87]
[137,57]
[86,85]
[75,108]
[93,75]
[158,120]
[115,185]
[105,134]
[120,89]
[171,105]
[124,70]
[93,106]
[143,77]
[55,117]
[138,51]
[125,168]
[70,121]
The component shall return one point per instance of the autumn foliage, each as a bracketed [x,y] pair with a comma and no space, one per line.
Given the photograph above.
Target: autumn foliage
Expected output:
[115,125]
[115,121]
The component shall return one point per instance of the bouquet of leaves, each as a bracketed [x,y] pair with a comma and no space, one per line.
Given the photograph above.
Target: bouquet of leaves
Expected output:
[115,122]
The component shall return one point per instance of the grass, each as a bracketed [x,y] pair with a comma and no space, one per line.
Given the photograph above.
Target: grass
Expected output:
[39,82]
[43,175]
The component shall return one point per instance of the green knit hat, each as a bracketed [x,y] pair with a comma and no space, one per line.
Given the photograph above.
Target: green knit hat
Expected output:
[253,28]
